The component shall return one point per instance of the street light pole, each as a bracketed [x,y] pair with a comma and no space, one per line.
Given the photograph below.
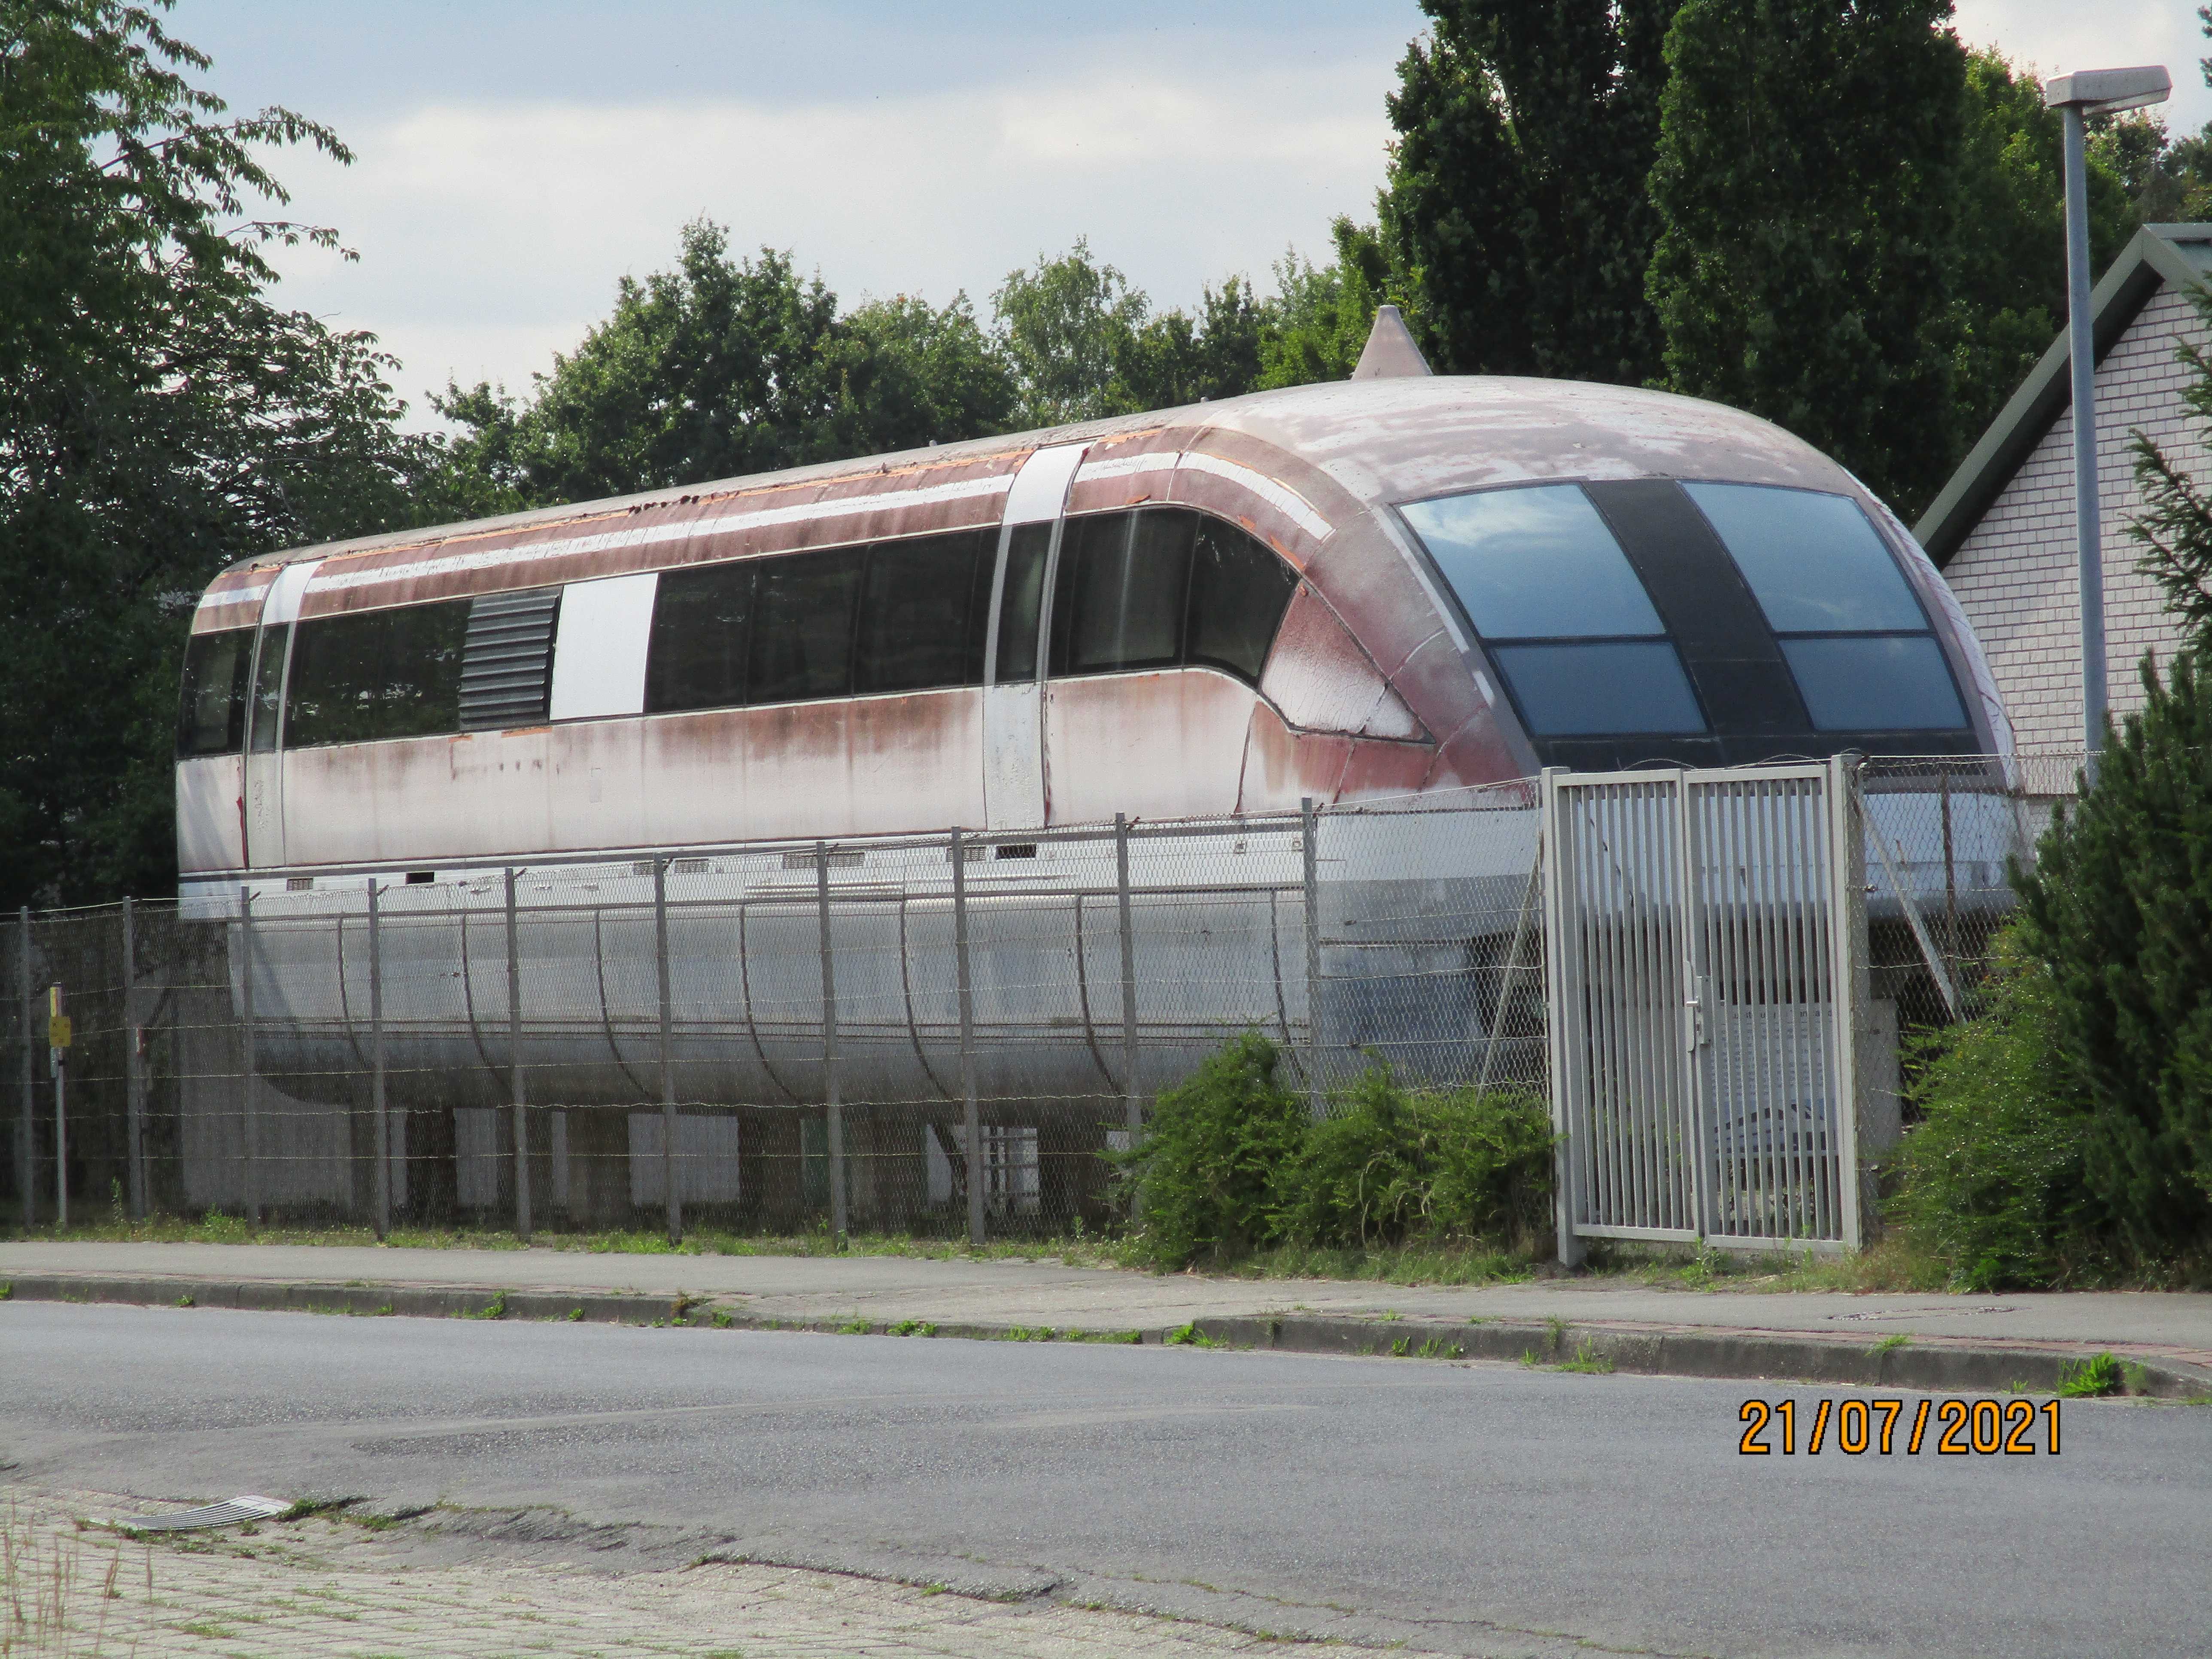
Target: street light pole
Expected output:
[2076,97]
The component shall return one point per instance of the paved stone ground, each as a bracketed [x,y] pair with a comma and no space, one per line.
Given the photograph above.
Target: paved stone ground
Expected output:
[338,1589]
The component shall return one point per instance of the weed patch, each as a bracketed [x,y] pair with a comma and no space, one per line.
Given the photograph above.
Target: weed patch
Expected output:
[2091,1378]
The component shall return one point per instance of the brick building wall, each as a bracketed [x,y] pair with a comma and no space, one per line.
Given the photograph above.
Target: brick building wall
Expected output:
[2014,572]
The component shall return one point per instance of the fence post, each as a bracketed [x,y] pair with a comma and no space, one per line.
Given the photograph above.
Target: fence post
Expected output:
[972,1116]
[514,1066]
[60,1059]
[1562,984]
[249,1124]
[27,1191]
[667,1067]
[1850,978]
[835,1107]
[1132,1103]
[1308,820]
[382,1127]
[134,1072]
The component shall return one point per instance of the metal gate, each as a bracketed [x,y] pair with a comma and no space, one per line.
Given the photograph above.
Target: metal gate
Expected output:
[1707,957]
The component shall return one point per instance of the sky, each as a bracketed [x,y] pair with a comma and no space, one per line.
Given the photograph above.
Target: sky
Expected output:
[515,158]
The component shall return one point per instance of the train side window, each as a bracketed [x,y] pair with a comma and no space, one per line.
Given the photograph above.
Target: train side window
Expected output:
[374,675]
[1239,589]
[211,717]
[1026,550]
[922,615]
[269,688]
[802,634]
[1119,600]
[701,624]
[1850,625]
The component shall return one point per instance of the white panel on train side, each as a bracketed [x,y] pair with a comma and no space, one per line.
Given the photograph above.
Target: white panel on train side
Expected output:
[598,657]
[1013,714]
[264,768]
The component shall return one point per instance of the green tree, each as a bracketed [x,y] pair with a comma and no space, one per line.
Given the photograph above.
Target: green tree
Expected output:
[1318,320]
[1804,189]
[1516,204]
[159,418]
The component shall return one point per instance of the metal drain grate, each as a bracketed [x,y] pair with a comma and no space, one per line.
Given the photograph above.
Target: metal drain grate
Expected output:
[229,1514]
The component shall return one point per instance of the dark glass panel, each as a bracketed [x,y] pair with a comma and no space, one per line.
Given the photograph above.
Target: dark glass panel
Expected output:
[1582,690]
[269,687]
[702,622]
[211,718]
[1533,564]
[1119,600]
[802,641]
[1024,598]
[378,674]
[1238,593]
[1893,684]
[918,611]
[1815,562]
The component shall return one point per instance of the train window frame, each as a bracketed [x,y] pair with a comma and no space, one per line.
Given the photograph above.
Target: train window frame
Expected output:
[1536,721]
[1063,616]
[1832,702]
[237,700]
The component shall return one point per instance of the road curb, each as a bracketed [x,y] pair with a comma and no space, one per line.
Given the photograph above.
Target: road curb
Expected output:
[1947,1365]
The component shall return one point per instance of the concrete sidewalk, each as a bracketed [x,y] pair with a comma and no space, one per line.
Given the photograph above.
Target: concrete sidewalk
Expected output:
[1953,1341]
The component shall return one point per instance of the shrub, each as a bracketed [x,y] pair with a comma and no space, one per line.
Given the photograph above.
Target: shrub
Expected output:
[2118,909]
[1993,1180]
[1233,1163]
[1206,1172]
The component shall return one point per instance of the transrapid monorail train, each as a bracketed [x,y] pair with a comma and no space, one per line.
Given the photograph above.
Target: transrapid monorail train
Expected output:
[1398,586]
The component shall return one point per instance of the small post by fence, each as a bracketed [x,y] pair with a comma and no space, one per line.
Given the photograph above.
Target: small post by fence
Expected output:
[249,1124]
[1133,1105]
[27,1191]
[835,1107]
[381,1126]
[134,1069]
[972,1116]
[667,1064]
[57,1038]
[514,1065]
[1308,820]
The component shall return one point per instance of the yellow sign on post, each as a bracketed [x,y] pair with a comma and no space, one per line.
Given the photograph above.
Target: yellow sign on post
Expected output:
[57,1022]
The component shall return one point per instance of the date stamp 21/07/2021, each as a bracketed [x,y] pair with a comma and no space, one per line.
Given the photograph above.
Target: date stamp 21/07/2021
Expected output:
[1888,1428]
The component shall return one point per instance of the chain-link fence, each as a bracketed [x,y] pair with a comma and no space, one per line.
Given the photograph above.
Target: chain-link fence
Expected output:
[937,1035]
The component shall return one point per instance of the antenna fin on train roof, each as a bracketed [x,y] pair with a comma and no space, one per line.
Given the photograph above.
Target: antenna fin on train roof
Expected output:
[1391,354]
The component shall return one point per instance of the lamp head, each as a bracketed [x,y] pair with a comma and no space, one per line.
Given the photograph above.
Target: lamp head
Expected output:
[2103,92]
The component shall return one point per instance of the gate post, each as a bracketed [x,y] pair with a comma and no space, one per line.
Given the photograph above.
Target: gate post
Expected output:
[514,1065]
[1552,856]
[835,1107]
[1309,823]
[1849,976]
[1132,1102]
[248,1125]
[134,1071]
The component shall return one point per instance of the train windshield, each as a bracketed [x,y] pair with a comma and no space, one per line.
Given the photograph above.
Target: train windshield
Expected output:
[1643,619]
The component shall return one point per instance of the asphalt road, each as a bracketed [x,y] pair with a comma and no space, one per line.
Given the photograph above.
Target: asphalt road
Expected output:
[1476,1508]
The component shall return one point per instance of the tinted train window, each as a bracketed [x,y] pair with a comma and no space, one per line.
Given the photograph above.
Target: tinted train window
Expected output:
[1238,593]
[802,645]
[374,675]
[1160,586]
[1025,599]
[702,623]
[924,608]
[211,718]
[1850,625]
[1118,603]
[1567,618]
[269,688]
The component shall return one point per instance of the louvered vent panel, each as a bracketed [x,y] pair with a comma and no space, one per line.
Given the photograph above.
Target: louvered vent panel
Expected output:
[506,665]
